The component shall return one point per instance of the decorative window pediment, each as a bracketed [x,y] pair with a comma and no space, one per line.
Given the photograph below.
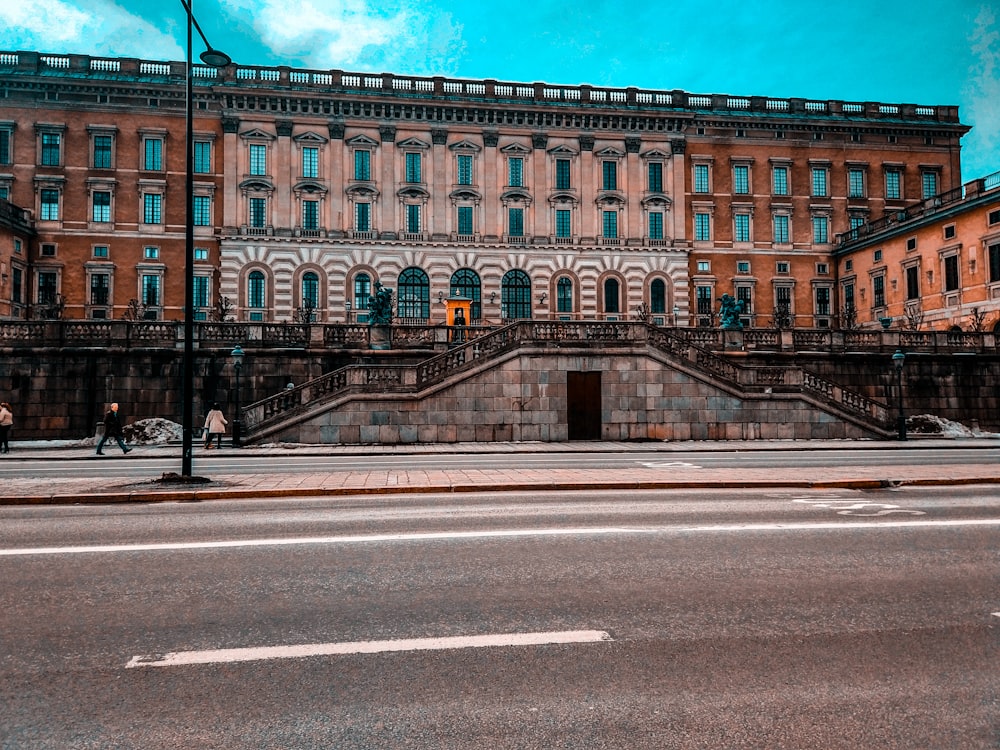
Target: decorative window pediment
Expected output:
[257,135]
[310,139]
[655,155]
[413,192]
[608,198]
[465,194]
[362,191]
[563,150]
[412,143]
[516,194]
[310,186]
[656,200]
[465,146]
[256,185]
[563,197]
[362,141]
[515,149]
[610,153]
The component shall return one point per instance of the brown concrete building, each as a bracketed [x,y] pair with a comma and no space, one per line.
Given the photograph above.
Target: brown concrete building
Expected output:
[933,266]
[533,200]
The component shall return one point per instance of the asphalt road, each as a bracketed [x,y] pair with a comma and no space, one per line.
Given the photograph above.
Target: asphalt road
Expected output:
[778,619]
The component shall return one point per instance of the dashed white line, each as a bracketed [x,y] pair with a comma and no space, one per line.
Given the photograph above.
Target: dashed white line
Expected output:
[231,655]
[501,534]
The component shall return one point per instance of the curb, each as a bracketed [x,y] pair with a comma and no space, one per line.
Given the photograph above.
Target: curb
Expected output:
[194,496]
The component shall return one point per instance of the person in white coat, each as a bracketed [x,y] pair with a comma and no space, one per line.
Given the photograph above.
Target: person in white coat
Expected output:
[215,426]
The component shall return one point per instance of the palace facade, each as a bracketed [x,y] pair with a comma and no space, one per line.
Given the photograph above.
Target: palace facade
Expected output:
[533,200]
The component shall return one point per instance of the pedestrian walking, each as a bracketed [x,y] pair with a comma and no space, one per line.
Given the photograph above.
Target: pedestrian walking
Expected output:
[215,426]
[6,422]
[112,429]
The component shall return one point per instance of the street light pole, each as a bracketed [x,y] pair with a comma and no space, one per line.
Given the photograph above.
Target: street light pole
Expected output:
[215,59]
[237,355]
[897,360]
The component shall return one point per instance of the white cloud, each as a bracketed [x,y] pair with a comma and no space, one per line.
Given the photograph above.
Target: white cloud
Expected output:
[982,146]
[355,34]
[101,28]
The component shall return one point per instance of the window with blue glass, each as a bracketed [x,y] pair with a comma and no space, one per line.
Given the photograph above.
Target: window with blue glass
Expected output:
[515,295]
[562,174]
[655,225]
[658,296]
[362,165]
[612,302]
[465,220]
[258,159]
[202,157]
[413,218]
[464,162]
[654,173]
[609,175]
[152,158]
[310,215]
[102,206]
[255,289]
[609,224]
[564,295]
[413,295]
[202,210]
[515,222]
[413,167]
[466,283]
[564,223]
[515,171]
[310,162]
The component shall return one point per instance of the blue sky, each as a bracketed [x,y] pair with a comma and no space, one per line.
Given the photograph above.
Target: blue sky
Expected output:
[921,52]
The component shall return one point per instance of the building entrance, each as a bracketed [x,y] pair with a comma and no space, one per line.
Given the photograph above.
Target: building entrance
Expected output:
[583,396]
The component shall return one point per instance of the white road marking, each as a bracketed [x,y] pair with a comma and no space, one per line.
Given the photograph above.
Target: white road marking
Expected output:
[501,534]
[230,655]
[670,465]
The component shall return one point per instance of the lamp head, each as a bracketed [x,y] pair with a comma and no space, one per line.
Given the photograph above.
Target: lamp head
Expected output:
[237,355]
[215,58]
[897,359]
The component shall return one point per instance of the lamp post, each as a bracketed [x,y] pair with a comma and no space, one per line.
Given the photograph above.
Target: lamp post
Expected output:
[215,59]
[237,355]
[677,315]
[897,361]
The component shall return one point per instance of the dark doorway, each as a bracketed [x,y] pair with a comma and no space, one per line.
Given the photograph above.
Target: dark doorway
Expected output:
[583,392]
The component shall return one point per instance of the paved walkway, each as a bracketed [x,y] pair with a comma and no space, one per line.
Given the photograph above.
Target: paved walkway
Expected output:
[115,487]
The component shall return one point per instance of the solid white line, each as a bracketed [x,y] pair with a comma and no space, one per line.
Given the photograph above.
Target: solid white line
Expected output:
[230,655]
[504,533]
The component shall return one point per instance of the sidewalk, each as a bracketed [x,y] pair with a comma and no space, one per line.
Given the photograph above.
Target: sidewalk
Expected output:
[659,473]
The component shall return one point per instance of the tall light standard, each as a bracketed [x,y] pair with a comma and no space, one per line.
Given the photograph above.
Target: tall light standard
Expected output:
[897,361]
[237,355]
[215,59]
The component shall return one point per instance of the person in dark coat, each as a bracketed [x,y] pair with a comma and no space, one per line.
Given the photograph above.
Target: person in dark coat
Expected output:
[112,429]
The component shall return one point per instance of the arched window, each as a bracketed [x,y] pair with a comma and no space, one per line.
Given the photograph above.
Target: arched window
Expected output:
[413,298]
[310,290]
[465,282]
[362,290]
[255,289]
[564,295]
[612,303]
[515,296]
[658,296]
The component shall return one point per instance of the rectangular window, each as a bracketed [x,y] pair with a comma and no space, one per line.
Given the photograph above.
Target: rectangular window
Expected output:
[102,206]
[413,167]
[362,217]
[201,253]
[822,300]
[515,222]
[951,273]
[202,210]
[363,165]
[743,267]
[878,291]
[100,251]
[609,224]
[51,149]
[783,298]
[741,179]
[258,213]
[310,215]
[655,177]
[202,157]
[655,225]
[310,162]
[892,184]
[701,178]
[609,175]
[4,146]
[258,159]
[515,172]
[102,152]
[17,288]
[702,227]
[413,218]
[856,222]
[151,253]
[153,155]
[152,205]
[703,300]
[928,180]
[199,291]
[47,281]
[780,177]
[993,251]
[564,223]
[464,163]
[912,282]
[742,227]
[99,285]
[745,293]
[819,183]
[820,233]
[704,266]
[150,290]
[562,174]
[855,183]
[781,229]
[465,220]
[49,205]
[783,266]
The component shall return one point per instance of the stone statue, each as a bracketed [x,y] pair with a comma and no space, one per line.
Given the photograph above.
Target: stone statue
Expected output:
[380,306]
[730,310]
